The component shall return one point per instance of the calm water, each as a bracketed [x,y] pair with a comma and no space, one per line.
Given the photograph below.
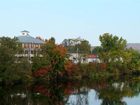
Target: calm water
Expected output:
[125,91]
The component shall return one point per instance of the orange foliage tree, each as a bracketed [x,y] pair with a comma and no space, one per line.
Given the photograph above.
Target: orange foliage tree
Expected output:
[53,63]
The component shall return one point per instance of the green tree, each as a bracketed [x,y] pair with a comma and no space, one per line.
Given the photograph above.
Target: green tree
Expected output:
[70,45]
[113,52]
[96,50]
[8,49]
[11,67]
[52,39]
[44,59]
[77,45]
[134,63]
[84,47]
[112,48]
[110,42]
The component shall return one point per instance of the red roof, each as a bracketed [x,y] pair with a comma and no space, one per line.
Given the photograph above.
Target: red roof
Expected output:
[92,56]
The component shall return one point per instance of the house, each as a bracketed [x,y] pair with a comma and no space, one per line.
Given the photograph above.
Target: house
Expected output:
[76,58]
[92,58]
[30,45]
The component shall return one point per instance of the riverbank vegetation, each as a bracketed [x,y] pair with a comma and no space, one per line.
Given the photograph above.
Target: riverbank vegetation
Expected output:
[114,53]
[52,62]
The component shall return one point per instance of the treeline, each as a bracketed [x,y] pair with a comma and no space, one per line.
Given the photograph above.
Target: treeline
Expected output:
[52,63]
[77,45]
[116,55]
[12,68]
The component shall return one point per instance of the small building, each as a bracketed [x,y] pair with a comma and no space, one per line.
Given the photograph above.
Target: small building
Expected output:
[76,58]
[92,58]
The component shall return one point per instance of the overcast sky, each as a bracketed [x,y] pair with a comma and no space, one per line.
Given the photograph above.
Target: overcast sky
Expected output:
[71,18]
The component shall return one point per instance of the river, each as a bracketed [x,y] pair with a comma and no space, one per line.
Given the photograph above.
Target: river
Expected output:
[124,91]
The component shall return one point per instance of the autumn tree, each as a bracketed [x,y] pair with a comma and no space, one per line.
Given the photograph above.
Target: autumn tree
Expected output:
[53,57]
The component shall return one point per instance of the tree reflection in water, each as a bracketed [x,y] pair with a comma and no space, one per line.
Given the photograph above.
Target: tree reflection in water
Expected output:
[114,93]
[110,92]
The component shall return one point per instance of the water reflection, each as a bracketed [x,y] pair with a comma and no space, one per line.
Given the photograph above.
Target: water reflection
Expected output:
[18,95]
[114,93]
[85,92]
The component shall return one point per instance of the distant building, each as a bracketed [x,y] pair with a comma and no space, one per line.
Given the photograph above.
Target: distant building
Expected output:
[30,44]
[74,57]
[92,58]
[72,42]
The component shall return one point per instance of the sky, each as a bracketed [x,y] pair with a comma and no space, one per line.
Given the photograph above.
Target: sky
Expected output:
[63,19]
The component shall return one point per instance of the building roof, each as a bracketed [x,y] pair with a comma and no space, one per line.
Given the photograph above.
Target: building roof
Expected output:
[92,56]
[135,46]
[25,31]
[29,39]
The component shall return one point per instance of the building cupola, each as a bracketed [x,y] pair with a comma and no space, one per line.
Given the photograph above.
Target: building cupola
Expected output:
[25,32]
